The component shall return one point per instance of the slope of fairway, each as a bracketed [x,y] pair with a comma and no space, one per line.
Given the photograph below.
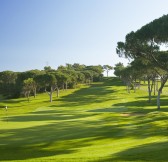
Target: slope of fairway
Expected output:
[96,123]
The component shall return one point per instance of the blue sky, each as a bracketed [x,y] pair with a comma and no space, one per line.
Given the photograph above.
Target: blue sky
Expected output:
[36,33]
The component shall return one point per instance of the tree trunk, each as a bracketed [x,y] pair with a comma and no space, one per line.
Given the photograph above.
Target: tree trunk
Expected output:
[57,92]
[149,91]
[25,94]
[144,80]
[66,85]
[35,92]
[154,88]
[28,96]
[150,97]
[139,84]
[63,87]
[50,94]
[158,101]
[128,88]
[52,89]
[89,81]
[134,87]
[160,91]
[157,86]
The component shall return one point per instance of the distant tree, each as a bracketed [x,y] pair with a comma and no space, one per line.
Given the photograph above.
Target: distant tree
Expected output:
[41,82]
[47,82]
[62,68]
[33,81]
[78,67]
[64,73]
[8,77]
[118,69]
[107,68]
[33,74]
[73,77]
[8,83]
[28,87]
[69,66]
[95,71]
[88,76]
[21,76]
[48,69]
[126,77]
[147,70]
[80,77]
[50,82]
[61,81]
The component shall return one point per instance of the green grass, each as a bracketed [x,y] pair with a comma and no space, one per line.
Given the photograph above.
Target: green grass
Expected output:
[97,123]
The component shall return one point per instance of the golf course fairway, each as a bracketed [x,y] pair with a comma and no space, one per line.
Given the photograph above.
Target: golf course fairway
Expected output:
[100,122]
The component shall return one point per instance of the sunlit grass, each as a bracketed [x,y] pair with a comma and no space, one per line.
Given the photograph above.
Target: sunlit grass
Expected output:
[101,122]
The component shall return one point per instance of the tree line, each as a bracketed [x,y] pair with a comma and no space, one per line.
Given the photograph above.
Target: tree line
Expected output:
[16,84]
[136,72]
[149,60]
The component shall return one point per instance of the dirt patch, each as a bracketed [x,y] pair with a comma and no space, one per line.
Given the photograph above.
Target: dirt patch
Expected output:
[132,114]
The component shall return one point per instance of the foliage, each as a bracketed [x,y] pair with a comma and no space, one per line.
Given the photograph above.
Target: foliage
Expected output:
[144,45]
[107,68]
[28,86]
[12,84]
[118,69]
[7,82]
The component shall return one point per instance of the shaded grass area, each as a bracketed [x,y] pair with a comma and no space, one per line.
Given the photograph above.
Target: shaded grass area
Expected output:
[142,153]
[95,123]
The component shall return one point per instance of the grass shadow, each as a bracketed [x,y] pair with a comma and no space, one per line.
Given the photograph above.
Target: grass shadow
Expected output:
[154,152]
[95,93]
